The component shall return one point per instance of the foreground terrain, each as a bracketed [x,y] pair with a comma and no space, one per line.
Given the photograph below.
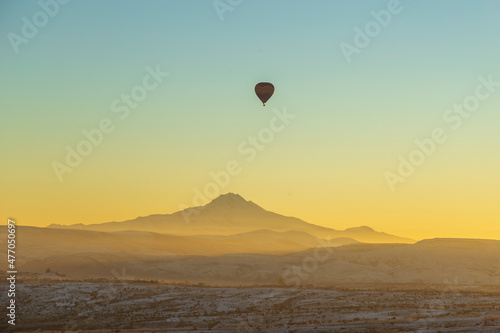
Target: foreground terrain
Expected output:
[72,305]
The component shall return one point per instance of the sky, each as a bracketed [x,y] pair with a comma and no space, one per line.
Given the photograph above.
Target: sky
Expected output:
[352,96]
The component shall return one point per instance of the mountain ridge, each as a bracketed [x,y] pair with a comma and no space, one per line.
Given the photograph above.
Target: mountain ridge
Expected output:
[231,214]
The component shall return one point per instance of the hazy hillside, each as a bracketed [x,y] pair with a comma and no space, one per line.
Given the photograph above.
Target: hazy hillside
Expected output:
[440,262]
[234,241]
[45,242]
[231,214]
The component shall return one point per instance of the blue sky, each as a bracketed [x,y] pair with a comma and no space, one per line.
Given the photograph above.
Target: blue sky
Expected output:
[353,119]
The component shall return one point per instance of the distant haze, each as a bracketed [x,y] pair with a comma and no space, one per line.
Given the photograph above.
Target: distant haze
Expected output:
[235,241]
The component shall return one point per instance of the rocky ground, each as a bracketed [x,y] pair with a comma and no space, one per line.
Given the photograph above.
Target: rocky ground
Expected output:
[82,305]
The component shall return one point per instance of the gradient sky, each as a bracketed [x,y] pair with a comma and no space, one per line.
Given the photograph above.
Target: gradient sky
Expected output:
[327,167]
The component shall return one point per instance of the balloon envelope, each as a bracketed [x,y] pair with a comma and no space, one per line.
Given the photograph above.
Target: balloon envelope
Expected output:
[264,91]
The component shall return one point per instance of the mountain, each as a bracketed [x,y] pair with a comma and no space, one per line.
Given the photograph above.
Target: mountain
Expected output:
[231,214]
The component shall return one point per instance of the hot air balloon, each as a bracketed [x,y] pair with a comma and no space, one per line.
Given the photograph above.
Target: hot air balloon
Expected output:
[264,91]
